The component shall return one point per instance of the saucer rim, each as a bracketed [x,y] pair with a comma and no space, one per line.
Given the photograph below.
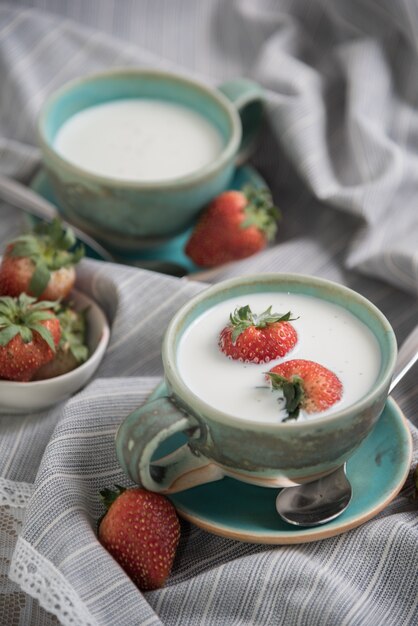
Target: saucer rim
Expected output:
[306,535]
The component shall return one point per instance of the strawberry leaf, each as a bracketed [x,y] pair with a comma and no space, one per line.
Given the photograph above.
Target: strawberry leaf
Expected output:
[26,246]
[24,301]
[260,211]
[73,332]
[25,333]
[40,278]
[8,333]
[293,392]
[19,316]
[39,316]
[49,244]
[242,318]
[44,333]
[79,352]
[45,304]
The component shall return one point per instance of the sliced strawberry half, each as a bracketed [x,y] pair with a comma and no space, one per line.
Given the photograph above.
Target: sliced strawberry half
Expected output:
[306,385]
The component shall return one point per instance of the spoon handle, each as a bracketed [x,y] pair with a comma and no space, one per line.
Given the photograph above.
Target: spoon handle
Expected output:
[407,357]
[29,201]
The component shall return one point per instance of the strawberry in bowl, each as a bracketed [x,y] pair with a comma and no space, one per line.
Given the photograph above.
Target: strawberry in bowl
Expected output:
[50,346]
[24,395]
[72,350]
[29,335]
[41,264]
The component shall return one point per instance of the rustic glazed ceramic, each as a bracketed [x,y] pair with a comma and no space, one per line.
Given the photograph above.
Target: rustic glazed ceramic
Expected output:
[121,212]
[219,444]
[377,472]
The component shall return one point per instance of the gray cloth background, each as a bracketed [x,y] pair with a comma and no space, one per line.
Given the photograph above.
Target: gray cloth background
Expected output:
[339,152]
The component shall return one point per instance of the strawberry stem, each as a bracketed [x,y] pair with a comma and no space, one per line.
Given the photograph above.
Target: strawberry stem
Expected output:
[109,496]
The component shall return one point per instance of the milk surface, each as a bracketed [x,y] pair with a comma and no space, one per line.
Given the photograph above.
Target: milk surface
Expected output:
[327,333]
[139,140]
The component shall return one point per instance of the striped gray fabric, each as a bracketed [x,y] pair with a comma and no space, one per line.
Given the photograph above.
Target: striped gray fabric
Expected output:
[338,152]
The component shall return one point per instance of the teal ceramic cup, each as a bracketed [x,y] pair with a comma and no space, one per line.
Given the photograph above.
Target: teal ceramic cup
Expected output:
[131,214]
[219,444]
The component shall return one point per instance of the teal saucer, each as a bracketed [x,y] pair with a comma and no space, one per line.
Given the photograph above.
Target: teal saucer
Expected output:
[237,510]
[169,252]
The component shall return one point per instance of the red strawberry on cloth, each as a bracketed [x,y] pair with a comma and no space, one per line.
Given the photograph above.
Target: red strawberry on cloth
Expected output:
[141,531]
[29,335]
[40,264]
[257,338]
[235,225]
[306,385]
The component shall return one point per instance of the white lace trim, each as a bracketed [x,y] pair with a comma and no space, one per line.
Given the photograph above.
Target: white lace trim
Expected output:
[39,578]
[15,494]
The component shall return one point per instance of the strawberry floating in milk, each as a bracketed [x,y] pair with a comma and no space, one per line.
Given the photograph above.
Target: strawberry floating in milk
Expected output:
[257,338]
[323,332]
[305,385]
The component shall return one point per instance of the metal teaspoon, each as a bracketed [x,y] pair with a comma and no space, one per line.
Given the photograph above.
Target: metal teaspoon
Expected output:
[321,501]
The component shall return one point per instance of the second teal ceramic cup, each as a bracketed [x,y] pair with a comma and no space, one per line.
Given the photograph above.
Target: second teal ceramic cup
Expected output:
[127,213]
[220,444]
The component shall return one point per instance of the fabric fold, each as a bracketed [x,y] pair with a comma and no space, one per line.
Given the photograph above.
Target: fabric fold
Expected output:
[338,151]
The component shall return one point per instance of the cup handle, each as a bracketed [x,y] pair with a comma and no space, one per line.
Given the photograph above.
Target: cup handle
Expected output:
[248,97]
[143,431]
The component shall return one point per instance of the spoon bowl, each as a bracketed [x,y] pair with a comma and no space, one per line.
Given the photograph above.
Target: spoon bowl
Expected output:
[317,502]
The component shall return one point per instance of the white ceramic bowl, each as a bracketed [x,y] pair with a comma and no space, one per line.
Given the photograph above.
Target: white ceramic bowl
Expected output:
[18,397]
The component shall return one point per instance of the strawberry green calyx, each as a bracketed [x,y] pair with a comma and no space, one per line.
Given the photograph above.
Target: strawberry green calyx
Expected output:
[260,211]
[50,247]
[242,318]
[73,332]
[109,496]
[293,392]
[23,316]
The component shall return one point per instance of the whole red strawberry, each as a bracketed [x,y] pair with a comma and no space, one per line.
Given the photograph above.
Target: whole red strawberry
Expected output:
[306,385]
[141,531]
[29,335]
[40,264]
[235,225]
[257,338]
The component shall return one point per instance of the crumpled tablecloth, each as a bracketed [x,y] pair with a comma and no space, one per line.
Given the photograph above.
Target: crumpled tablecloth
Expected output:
[339,153]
